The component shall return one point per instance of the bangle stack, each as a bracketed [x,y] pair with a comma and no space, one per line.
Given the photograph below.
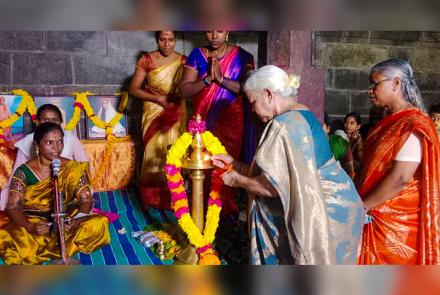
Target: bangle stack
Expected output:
[206,82]
[224,82]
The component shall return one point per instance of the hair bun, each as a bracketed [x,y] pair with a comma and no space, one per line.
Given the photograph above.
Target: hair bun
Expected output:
[294,81]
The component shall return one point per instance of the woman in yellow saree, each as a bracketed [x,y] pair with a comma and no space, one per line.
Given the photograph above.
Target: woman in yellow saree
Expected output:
[164,115]
[28,239]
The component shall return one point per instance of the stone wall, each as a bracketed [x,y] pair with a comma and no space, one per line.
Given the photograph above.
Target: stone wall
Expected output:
[347,57]
[102,62]
[48,63]
[292,51]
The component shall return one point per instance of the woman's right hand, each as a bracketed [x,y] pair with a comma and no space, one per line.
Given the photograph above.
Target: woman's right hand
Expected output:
[162,100]
[216,73]
[41,228]
[222,160]
[355,135]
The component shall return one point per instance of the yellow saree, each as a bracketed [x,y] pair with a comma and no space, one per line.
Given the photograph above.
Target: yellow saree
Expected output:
[160,128]
[18,246]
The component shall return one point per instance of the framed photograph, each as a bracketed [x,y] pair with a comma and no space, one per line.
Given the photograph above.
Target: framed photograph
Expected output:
[105,108]
[64,103]
[8,105]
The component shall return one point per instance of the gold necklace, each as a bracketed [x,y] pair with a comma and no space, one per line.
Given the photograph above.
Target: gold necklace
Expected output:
[224,51]
[165,57]
[41,168]
[211,53]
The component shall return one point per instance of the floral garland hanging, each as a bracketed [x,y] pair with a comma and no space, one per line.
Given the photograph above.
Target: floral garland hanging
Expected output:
[179,198]
[26,103]
[82,102]
[106,158]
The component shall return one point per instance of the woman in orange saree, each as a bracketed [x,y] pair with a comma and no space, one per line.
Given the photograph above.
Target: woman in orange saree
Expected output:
[400,179]
[164,115]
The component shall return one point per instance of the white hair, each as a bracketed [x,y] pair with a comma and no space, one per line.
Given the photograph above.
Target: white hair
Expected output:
[273,78]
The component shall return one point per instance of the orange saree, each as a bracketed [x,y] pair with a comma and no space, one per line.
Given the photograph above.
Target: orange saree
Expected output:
[406,228]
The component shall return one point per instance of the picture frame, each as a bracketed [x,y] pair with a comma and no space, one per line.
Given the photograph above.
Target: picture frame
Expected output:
[64,103]
[105,107]
[8,106]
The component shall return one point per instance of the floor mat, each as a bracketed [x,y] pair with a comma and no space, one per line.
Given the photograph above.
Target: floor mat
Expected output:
[232,242]
[123,249]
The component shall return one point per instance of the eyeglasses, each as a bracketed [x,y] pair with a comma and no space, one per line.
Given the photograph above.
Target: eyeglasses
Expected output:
[373,84]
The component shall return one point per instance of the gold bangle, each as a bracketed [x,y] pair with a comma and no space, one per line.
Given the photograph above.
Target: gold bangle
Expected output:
[241,168]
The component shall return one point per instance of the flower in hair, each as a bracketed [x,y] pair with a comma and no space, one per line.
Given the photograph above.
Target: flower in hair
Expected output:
[294,81]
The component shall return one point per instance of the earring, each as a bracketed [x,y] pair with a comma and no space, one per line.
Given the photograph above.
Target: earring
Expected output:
[227,38]
[37,151]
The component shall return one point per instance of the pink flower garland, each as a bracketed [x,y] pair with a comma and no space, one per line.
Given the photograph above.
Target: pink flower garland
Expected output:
[196,127]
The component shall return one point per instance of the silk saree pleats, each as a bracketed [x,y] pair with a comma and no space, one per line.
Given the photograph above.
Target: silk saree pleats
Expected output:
[160,128]
[406,228]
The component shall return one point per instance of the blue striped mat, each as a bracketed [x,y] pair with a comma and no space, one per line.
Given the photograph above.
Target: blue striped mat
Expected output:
[123,249]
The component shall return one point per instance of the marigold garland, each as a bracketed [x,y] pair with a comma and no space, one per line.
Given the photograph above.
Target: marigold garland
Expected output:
[82,102]
[202,242]
[111,140]
[26,103]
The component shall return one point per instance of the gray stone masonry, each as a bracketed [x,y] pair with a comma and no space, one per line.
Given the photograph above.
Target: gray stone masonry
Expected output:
[347,57]
[61,62]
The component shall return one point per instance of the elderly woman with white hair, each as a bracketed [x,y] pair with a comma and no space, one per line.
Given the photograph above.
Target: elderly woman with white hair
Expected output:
[304,208]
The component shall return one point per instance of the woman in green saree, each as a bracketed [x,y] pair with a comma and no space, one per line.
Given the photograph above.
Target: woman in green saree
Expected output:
[28,239]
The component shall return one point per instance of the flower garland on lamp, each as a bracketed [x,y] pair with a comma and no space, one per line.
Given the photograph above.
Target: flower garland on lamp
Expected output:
[26,103]
[179,198]
[82,103]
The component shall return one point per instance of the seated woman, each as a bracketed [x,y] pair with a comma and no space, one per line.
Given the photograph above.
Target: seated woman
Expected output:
[73,148]
[304,207]
[27,239]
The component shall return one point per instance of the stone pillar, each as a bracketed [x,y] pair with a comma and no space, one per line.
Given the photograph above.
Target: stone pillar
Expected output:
[292,51]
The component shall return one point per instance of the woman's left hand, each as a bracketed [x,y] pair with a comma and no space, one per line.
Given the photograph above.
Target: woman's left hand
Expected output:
[232,178]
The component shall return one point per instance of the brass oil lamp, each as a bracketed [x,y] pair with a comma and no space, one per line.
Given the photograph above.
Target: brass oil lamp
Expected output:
[196,162]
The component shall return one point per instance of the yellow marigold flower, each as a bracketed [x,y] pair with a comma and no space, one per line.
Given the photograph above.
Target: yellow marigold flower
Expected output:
[179,189]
